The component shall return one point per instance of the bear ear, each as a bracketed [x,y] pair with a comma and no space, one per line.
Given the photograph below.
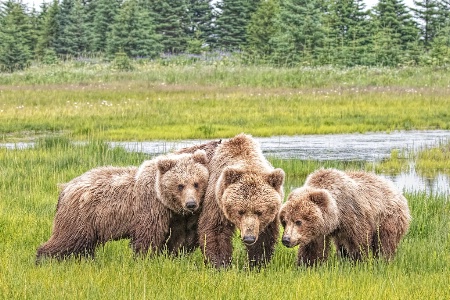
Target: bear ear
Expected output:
[231,175]
[276,178]
[200,157]
[165,164]
[320,198]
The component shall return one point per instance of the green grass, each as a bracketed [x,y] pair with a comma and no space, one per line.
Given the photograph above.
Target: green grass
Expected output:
[427,162]
[28,195]
[138,110]
[83,101]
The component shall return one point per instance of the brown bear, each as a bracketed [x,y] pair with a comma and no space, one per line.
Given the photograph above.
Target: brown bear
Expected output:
[359,211]
[111,203]
[245,192]
[184,227]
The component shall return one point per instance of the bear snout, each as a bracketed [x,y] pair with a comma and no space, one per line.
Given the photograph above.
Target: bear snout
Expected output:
[191,205]
[249,239]
[286,240]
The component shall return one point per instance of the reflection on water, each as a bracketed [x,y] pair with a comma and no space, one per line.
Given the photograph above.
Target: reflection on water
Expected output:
[370,147]
[413,182]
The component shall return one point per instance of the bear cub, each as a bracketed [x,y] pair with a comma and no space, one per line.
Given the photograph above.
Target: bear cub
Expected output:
[360,212]
[139,203]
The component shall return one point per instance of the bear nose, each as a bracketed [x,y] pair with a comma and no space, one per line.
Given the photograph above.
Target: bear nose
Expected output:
[249,239]
[191,205]
[286,241]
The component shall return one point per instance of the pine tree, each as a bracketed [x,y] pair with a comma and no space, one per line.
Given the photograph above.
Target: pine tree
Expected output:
[88,20]
[15,29]
[62,43]
[75,41]
[133,32]
[300,32]
[172,23]
[346,33]
[200,13]
[104,15]
[231,23]
[394,34]
[48,36]
[261,28]
[426,12]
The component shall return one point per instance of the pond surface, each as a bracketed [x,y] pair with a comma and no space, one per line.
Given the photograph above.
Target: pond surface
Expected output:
[370,147]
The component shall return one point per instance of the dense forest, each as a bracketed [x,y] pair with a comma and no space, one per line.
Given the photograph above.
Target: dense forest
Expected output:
[276,32]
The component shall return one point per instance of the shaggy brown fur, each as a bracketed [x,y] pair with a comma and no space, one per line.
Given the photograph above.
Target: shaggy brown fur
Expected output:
[111,203]
[209,147]
[361,212]
[184,228]
[244,191]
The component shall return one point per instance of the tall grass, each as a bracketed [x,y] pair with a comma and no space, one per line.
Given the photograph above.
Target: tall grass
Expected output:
[228,74]
[28,194]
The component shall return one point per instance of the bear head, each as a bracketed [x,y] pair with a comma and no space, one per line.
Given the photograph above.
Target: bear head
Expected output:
[307,214]
[182,180]
[250,200]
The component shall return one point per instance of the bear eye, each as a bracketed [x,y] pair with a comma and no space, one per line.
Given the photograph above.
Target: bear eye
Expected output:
[283,223]
[241,212]
[258,213]
[196,185]
[180,187]
[298,223]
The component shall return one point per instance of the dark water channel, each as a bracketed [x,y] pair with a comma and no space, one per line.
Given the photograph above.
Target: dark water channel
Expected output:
[370,147]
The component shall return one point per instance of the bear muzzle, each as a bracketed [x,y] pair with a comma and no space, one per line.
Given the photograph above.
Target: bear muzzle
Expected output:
[191,205]
[286,240]
[249,239]
[249,230]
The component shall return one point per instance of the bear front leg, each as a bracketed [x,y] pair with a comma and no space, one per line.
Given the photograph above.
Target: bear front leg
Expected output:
[261,252]
[314,252]
[215,240]
[150,233]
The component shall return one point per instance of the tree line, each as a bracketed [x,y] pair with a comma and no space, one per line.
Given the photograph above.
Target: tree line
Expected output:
[276,32]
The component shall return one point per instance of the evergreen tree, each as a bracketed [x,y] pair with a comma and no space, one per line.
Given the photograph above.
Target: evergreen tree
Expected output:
[104,15]
[440,46]
[88,20]
[172,23]
[300,32]
[133,32]
[15,29]
[261,28]
[64,20]
[231,23]
[48,36]
[200,13]
[426,12]
[346,39]
[75,41]
[394,34]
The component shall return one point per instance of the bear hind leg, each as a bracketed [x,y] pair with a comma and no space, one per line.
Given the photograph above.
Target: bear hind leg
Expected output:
[387,238]
[61,249]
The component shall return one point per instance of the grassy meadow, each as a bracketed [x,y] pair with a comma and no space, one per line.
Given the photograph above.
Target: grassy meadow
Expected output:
[57,106]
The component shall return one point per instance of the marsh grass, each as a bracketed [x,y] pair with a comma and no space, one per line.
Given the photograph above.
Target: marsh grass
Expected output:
[428,161]
[139,110]
[28,194]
